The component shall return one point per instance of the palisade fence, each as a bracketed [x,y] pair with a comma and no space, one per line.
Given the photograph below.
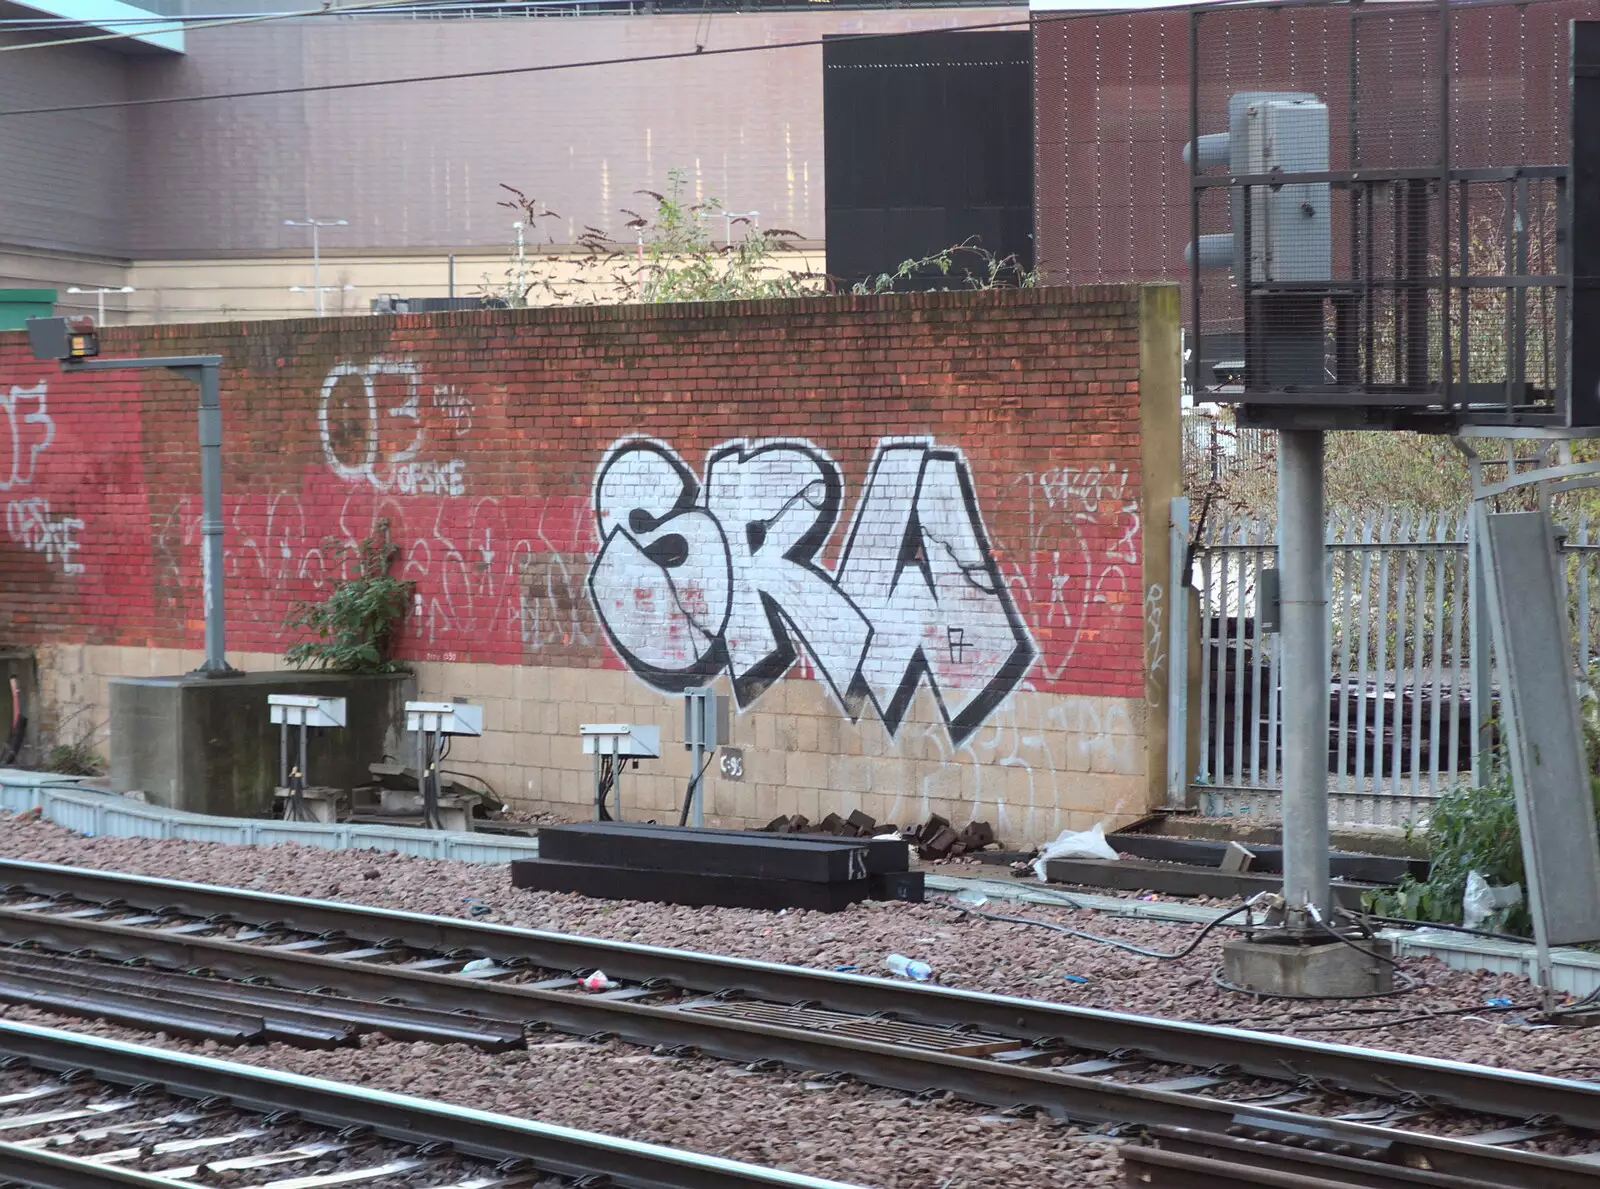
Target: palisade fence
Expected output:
[1400,704]
[1214,446]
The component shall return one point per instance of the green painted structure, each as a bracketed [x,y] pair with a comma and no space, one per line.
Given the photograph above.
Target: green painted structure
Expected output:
[18,305]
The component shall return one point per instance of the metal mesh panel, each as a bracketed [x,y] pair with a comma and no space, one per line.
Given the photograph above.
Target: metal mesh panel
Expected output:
[1413,260]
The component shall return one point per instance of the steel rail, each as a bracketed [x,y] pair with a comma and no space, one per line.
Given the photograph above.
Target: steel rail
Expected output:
[563,1151]
[1363,1070]
[38,1169]
[1325,1166]
[1059,1091]
[1177,1170]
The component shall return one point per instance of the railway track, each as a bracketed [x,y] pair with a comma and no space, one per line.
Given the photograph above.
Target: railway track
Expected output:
[83,1112]
[1378,1110]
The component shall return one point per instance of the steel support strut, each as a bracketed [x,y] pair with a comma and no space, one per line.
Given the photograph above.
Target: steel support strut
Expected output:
[1303,587]
[203,370]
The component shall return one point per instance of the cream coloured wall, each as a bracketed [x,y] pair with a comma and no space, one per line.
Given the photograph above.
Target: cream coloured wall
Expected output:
[257,288]
[1042,763]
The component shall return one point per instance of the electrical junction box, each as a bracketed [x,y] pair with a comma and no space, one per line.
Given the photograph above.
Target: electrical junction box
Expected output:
[705,719]
[444,718]
[1291,233]
[621,739]
[306,710]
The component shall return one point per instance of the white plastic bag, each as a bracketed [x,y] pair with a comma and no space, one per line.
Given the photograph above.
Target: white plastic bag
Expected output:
[1075,844]
[1482,899]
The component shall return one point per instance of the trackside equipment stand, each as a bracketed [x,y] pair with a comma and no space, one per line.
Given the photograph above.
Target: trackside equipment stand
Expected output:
[435,723]
[705,728]
[305,711]
[612,745]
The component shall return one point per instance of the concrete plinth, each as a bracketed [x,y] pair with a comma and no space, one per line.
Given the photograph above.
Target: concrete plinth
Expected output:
[321,803]
[207,745]
[1323,969]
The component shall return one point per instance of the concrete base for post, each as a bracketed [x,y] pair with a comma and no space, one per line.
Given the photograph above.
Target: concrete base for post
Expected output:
[455,812]
[1319,969]
[323,803]
[207,744]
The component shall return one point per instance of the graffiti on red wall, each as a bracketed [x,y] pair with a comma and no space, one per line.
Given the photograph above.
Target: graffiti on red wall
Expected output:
[695,577]
[767,560]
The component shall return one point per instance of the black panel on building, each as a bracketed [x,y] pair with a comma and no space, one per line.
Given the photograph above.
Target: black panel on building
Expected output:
[928,143]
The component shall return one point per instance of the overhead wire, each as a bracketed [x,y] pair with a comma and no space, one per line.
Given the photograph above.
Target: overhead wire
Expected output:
[630,60]
[515,7]
[503,71]
[187,24]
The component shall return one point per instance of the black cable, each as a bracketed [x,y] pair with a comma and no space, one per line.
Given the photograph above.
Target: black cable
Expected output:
[634,60]
[1338,936]
[469,776]
[608,780]
[1421,1017]
[434,750]
[1113,941]
[1407,922]
[1412,984]
[694,785]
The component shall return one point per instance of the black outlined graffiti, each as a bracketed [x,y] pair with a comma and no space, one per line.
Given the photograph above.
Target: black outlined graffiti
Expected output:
[692,580]
[919,561]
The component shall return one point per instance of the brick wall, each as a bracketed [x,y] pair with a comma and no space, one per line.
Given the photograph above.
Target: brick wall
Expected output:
[920,539]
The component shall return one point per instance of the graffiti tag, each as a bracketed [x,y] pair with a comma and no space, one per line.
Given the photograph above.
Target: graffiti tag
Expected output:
[696,578]
[30,432]
[31,525]
[355,437]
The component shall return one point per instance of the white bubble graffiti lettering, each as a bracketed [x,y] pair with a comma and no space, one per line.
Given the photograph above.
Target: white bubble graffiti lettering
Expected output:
[692,580]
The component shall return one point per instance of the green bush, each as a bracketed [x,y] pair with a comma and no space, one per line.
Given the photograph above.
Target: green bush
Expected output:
[1476,829]
[1470,830]
[354,626]
[73,759]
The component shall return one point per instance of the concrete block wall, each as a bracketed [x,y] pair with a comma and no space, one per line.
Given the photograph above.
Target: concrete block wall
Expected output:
[921,539]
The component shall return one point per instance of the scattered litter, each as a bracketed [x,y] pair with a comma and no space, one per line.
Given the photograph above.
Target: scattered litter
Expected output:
[845,969]
[912,968]
[1497,1001]
[1074,978]
[1483,899]
[598,982]
[972,896]
[1075,844]
[477,964]
[1237,858]
[481,910]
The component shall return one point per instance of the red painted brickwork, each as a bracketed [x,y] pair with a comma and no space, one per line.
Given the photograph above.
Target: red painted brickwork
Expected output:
[480,437]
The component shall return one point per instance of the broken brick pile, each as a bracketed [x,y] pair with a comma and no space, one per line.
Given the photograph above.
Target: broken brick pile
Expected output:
[935,839]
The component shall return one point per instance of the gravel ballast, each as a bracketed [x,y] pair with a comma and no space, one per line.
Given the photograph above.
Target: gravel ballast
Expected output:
[841,1131]
[963,949]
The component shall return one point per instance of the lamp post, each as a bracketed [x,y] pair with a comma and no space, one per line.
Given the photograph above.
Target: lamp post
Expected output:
[320,290]
[522,261]
[316,226]
[727,218]
[101,295]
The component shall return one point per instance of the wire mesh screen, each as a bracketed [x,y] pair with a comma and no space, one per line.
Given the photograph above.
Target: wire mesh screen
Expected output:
[1377,199]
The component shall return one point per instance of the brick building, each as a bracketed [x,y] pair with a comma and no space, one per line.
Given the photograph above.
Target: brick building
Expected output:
[186,202]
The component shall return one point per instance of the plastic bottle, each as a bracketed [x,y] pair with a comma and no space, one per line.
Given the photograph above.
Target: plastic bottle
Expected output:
[912,968]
